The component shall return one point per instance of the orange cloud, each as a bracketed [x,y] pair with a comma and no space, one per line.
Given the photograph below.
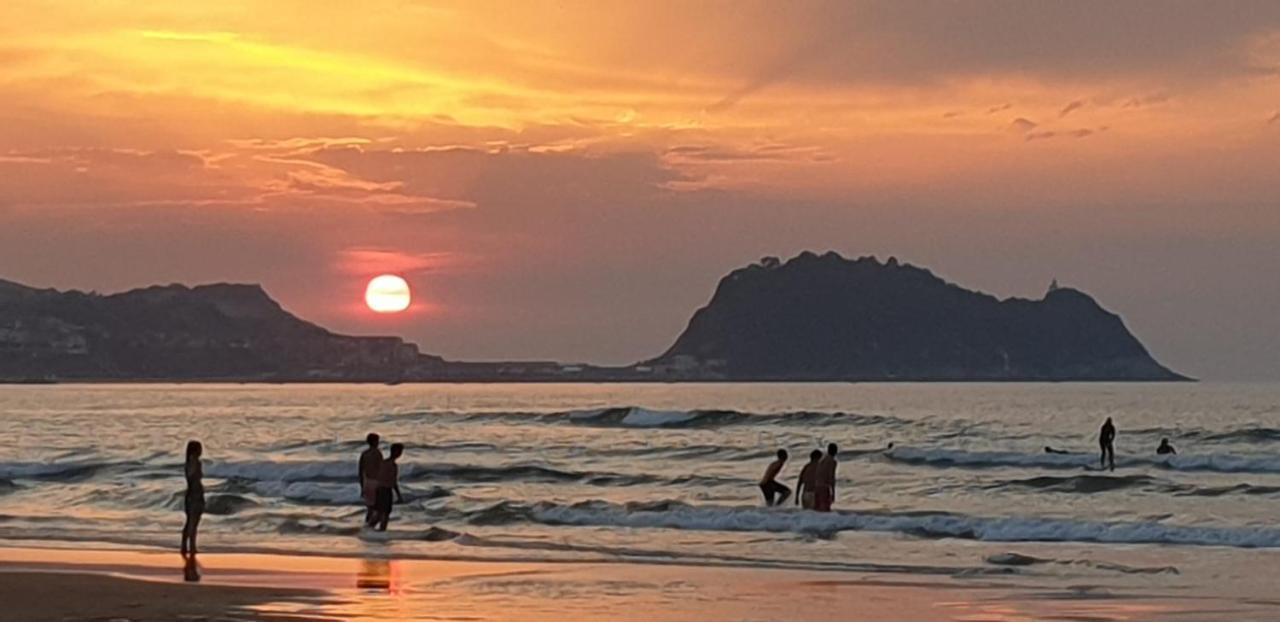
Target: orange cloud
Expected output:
[372,261]
[590,159]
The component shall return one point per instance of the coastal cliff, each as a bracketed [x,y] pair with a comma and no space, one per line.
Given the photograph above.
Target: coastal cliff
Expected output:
[824,317]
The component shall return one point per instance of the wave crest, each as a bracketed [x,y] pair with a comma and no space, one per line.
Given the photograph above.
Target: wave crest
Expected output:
[678,515]
[1086,483]
[244,473]
[1218,463]
[1245,435]
[57,471]
[639,417]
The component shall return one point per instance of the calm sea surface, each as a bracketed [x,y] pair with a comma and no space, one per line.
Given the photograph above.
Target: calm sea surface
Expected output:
[667,474]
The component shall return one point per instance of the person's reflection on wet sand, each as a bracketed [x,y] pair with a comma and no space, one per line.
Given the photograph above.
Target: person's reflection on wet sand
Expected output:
[375,574]
[190,571]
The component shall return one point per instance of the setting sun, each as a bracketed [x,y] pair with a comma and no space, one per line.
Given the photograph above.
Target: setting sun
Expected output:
[683,283]
[387,294]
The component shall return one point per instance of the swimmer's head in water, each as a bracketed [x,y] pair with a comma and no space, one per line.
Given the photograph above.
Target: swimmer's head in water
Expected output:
[782,454]
[832,449]
[372,439]
[396,450]
[815,455]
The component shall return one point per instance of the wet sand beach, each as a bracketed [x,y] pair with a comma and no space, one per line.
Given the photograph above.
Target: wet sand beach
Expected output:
[67,594]
[63,585]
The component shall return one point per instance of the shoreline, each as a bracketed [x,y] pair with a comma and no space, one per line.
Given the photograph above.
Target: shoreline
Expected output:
[39,584]
[17,382]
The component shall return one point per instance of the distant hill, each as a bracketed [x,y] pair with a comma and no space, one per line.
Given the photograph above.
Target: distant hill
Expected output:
[176,332]
[820,318]
[824,317]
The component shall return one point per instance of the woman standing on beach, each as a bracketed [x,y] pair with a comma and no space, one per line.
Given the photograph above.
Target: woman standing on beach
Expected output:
[193,502]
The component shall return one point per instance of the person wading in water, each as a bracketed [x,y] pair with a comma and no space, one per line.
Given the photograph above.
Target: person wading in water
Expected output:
[1107,439]
[769,483]
[807,483]
[824,493]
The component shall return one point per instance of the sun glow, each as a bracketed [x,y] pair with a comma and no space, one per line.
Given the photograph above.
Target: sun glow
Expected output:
[387,294]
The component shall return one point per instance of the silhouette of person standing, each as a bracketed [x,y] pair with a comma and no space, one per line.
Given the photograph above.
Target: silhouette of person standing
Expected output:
[824,493]
[1107,439]
[388,483]
[193,501]
[808,482]
[370,465]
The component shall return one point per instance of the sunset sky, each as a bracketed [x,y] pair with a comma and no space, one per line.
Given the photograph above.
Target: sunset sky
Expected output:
[568,180]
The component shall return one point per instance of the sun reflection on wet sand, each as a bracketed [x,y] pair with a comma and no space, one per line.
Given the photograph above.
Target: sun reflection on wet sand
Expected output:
[379,589]
[418,590]
[375,574]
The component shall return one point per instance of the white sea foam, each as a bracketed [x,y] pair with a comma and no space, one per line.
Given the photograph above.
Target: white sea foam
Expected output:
[633,417]
[645,418]
[926,524]
[290,471]
[55,470]
[1220,463]
[310,492]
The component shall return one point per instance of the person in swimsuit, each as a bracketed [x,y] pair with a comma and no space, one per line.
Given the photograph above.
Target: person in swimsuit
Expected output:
[769,483]
[193,501]
[370,464]
[1107,439]
[388,483]
[807,482]
[824,485]
[1165,448]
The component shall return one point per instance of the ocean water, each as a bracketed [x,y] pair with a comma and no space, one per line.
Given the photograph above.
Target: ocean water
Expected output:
[667,474]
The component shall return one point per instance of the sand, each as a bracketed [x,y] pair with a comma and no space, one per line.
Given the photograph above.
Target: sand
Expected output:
[63,597]
[70,585]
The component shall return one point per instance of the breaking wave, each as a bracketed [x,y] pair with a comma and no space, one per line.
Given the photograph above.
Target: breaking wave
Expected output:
[1237,489]
[327,471]
[1244,435]
[57,471]
[637,417]
[334,494]
[1218,463]
[681,516]
[1086,483]
[1089,484]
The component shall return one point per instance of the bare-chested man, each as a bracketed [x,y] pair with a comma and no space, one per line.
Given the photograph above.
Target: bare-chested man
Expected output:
[824,493]
[370,466]
[808,482]
[769,483]
[388,483]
